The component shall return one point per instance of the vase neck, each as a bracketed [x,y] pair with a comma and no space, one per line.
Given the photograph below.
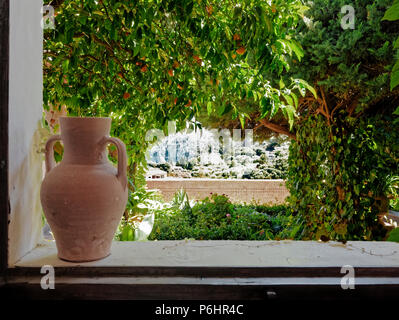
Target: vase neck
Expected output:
[83,151]
[83,140]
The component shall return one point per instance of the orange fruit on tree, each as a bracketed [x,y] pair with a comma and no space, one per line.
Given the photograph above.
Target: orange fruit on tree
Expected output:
[240,50]
[126,95]
[170,72]
[197,59]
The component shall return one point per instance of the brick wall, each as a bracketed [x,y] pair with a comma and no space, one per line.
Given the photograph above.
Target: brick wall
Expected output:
[238,190]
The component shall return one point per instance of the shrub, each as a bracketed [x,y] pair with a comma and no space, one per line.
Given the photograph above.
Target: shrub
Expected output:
[216,218]
[138,219]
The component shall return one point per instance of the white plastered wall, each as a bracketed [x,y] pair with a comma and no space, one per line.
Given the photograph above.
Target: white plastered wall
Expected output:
[25,111]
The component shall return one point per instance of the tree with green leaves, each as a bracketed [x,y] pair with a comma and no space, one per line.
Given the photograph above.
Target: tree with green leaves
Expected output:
[146,62]
[344,155]
[346,151]
[392,14]
[349,69]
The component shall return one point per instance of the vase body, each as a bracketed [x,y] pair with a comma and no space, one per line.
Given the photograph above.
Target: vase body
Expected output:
[84,196]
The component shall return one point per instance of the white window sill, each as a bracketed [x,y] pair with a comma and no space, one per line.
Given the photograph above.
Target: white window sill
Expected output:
[245,254]
[208,270]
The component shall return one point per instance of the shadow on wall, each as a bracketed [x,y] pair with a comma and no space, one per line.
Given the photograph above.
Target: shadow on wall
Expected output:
[24,189]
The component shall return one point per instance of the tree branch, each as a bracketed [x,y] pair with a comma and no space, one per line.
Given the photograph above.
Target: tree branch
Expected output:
[277,128]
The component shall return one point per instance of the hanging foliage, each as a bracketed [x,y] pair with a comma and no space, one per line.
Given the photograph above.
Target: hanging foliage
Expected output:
[339,177]
[392,14]
[146,62]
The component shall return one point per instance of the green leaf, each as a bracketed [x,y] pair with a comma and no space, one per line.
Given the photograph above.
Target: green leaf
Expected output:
[396,44]
[288,99]
[98,12]
[220,109]
[309,87]
[209,108]
[395,75]
[297,48]
[265,106]
[356,188]
[82,19]
[295,98]
[65,65]
[394,235]
[291,115]
[282,85]
[392,13]
[269,24]
[286,46]
[127,233]
[242,120]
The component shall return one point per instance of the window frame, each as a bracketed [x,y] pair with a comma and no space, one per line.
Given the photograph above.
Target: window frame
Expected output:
[146,282]
[4,101]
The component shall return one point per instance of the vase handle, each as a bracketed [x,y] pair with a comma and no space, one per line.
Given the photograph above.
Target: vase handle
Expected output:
[49,152]
[122,159]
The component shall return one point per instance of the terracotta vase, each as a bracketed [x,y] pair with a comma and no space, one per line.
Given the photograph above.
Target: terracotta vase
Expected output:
[84,196]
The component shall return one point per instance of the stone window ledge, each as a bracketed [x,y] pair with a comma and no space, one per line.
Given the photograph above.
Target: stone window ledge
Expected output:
[209,270]
[250,254]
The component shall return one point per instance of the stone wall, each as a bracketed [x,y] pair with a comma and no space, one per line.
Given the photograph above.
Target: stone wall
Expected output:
[238,190]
